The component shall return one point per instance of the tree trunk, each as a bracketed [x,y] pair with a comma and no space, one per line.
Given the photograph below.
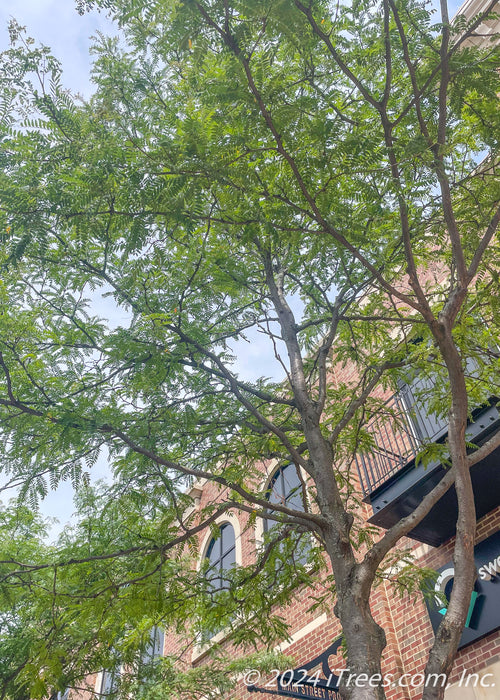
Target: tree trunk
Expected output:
[364,638]
[445,645]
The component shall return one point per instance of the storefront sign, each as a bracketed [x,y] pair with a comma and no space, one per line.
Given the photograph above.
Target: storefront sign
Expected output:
[484,609]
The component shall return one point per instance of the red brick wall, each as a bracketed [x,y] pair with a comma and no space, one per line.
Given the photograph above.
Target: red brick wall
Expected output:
[404,619]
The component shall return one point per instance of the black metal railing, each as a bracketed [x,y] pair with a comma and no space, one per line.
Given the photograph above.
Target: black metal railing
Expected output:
[399,429]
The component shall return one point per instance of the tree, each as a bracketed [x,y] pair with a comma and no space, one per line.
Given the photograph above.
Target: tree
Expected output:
[288,171]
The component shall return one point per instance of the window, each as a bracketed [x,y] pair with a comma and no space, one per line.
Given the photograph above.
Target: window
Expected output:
[425,425]
[110,679]
[154,647]
[109,682]
[285,488]
[221,554]
[61,695]
[148,662]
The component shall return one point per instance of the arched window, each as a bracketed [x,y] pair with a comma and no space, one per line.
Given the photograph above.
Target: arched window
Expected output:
[221,554]
[285,489]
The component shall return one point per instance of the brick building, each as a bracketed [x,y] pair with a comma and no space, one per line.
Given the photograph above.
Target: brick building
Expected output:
[406,621]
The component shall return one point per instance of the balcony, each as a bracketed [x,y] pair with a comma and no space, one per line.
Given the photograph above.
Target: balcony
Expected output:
[394,484]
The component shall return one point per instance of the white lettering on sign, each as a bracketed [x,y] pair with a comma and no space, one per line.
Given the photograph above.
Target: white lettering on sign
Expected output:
[487,571]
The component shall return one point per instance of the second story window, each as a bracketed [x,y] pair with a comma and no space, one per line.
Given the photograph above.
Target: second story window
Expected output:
[147,666]
[154,647]
[285,489]
[221,555]
[109,683]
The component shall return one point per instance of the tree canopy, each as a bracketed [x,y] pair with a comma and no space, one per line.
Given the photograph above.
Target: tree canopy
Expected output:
[321,179]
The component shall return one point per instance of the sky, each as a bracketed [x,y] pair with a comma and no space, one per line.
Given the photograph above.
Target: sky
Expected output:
[57,24]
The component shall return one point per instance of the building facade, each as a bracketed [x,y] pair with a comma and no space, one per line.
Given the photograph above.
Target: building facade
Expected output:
[314,640]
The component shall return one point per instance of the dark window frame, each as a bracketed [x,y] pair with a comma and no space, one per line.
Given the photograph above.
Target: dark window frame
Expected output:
[225,553]
[286,494]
